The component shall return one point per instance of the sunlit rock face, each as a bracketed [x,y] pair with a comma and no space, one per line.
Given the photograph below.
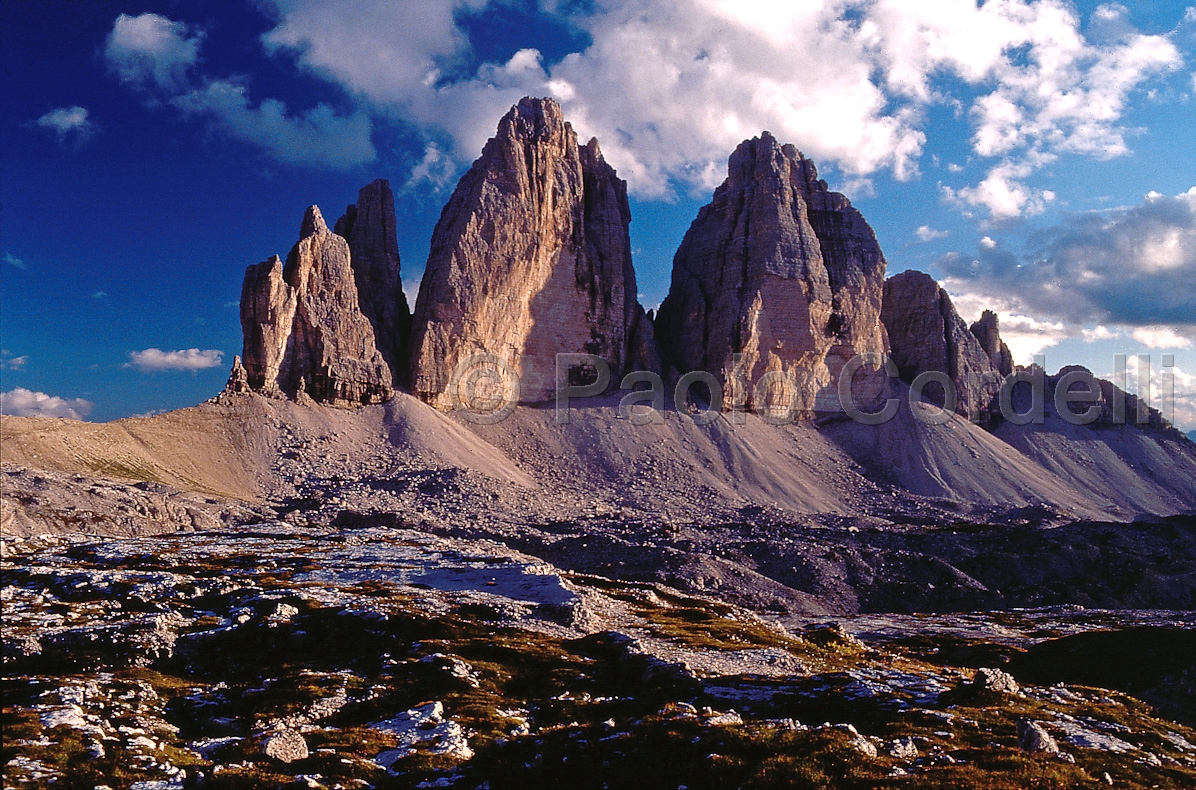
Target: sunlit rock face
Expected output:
[776,285]
[531,258]
[303,327]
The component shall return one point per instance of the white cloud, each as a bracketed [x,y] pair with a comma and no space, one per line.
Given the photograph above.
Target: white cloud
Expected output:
[13,260]
[987,243]
[925,233]
[150,50]
[411,289]
[68,123]
[1004,194]
[153,359]
[671,87]
[1025,335]
[1161,337]
[12,363]
[157,54]
[21,402]
[319,137]
[436,169]
[1172,391]
[668,88]
[1129,267]
[1099,332]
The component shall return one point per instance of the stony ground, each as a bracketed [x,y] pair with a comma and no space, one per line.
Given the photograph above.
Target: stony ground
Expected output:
[286,655]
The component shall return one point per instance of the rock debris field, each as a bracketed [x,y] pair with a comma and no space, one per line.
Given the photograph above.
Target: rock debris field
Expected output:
[287,656]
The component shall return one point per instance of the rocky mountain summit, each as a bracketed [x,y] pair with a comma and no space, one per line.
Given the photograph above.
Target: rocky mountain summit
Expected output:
[780,271]
[531,258]
[304,328]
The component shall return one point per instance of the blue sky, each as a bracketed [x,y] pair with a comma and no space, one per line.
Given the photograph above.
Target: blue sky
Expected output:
[1035,156]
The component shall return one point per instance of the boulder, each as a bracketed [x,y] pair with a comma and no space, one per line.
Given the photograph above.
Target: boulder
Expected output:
[1032,737]
[369,227]
[995,680]
[903,749]
[286,746]
[777,283]
[530,258]
[302,322]
[926,334]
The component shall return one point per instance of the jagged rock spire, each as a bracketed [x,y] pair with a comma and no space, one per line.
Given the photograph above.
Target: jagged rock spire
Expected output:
[531,258]
[369,227]
[302,323]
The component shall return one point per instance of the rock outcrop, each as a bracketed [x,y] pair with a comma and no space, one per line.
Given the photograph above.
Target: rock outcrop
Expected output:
[369,227]
[303,326]
[783,272]
[530,258]
[238,378]
[987,330]
[926,334]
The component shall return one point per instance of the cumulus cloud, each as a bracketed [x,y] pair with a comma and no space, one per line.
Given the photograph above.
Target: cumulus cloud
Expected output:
[1161,337]
[1003,194]
[151,50]
[925,233]
[21,402]
[671,87]
[319,137]
[158,55]
[152,359]
[436,169]
[1131,266]
[69,124]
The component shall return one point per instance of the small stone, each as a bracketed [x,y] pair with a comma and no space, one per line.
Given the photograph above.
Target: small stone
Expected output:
[995,680]
[863,745]
[730,718]
[903,749]
[1032,737]
[285,746]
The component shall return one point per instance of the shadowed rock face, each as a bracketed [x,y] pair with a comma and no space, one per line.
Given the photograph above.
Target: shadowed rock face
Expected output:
[987,330]
[369,227]
[531,258]
[927,334]
[782,271]
[303,327]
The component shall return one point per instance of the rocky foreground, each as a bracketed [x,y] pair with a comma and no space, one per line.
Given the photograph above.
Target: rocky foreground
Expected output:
[379,657]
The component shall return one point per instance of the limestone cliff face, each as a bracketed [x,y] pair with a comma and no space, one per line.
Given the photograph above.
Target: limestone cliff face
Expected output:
[303,326]
[927,334]
[785,273]
[369,227]
[988,331]
[531,258]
